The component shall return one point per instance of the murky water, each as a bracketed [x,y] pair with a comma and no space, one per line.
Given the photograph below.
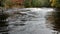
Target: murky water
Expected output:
[29,21]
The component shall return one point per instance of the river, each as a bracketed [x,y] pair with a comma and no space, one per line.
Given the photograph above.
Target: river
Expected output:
[29,21]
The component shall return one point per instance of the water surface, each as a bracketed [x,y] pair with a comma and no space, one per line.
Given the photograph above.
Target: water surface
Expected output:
[29,21]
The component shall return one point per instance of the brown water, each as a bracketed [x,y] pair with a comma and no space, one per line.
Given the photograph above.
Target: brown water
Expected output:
[30,21]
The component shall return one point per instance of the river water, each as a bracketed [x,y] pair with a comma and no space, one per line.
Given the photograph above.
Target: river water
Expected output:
[29,21]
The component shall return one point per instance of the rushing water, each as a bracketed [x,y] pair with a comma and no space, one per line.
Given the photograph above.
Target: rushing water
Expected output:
[29,21]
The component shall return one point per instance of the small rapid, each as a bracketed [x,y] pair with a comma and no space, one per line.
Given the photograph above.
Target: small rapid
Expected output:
[28,21]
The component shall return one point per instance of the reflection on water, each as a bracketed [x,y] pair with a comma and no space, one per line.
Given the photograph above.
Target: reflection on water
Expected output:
[57,21]
[3,27]
[54,21]
[30,21]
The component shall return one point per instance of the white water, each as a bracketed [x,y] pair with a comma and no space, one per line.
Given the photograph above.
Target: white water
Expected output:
[34,21]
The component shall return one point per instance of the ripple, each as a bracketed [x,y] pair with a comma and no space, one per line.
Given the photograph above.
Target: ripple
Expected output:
[27,21]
